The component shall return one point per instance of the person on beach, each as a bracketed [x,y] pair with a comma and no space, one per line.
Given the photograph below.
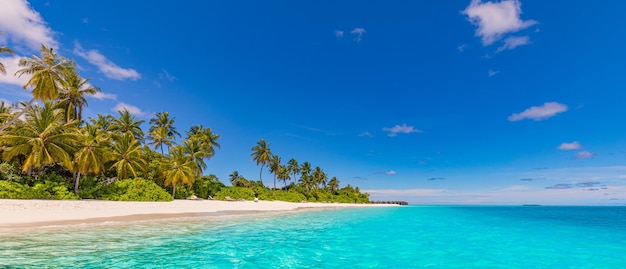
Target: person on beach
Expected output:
[256,197]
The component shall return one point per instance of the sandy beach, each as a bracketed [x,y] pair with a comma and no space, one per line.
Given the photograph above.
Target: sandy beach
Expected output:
[37,213]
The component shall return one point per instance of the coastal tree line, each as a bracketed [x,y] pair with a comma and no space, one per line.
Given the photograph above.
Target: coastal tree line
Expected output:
[46,143]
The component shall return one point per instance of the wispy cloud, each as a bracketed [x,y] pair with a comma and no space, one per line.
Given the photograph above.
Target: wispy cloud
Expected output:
[24,25]
[366,134]
[570,146]
[513,42]
[103,96]
[532,179]
[166,75]
[492,73]
[391,172]
[538,113]
[401,129]
[436,178]
[108,68]
[358,33]
[339,33]
[496,19]
[584,155]
[462,47]
[131,109]
[317,130]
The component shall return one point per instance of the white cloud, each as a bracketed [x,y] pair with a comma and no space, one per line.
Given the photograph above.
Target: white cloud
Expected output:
[366,134]
[11,64]
[132,109]
[513,42]
[496,19]
[166,75]
[570,146]
[24,25]
[584,155]
[338,33]
[404,129]
[358,34]
[391,172]
[537,113]
[108,68]
[102,96]
[462,47]
[492,73]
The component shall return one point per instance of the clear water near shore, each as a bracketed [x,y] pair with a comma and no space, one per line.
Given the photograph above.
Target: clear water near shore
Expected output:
[403,237]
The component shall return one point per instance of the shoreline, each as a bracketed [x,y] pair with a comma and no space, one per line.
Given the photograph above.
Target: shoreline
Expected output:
[31,214]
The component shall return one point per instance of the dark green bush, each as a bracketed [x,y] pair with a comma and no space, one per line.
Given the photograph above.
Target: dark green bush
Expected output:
[207,186]
[235,193]
[135,190]
[41,190]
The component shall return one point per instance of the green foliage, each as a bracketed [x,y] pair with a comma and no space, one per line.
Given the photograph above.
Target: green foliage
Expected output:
[207,186]
[235,193]
[43,190]
[9,172]
[90,188]
[135,190]
[182,191]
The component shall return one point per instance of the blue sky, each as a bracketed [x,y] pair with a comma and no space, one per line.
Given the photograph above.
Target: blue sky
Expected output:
[433,102]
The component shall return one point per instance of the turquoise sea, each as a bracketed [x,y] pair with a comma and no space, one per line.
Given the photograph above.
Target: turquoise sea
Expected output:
[402,237]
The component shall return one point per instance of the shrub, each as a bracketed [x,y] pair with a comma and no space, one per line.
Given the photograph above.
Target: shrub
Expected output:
[135,190]
[235,193]
[207,186]
[41,190]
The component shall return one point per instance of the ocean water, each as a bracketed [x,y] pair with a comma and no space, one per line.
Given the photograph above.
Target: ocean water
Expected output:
[402,237]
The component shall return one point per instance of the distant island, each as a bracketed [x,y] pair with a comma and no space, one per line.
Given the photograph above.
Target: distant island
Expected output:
[50,151]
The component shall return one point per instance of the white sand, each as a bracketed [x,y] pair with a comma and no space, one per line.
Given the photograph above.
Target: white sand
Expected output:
[33,213]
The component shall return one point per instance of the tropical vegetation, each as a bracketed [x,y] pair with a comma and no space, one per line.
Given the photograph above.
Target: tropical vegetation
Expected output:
[49,150]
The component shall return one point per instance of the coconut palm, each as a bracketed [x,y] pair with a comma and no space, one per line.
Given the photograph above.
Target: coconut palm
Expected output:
[206,137]
[93,153]
[261,153]
[5,111]
[235,179]
[163,125]
[194,149]
[102,122]
[274,165]
[46,77]
[305,175]
[42,138]
[4,49]
[127,157]
[293,167]
[333,184]
[126,123]
[180,169]
[161,136]
[283,174]
[319,177]
[72,95]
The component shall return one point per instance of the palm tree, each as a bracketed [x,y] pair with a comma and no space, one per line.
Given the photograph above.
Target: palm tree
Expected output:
[235,179]
[305,174]
[193,148]
[127,156]
[161,136]
[261,153]
[274,165]
[5,111]
[47,77]
[283,174]
[102,122]
[180,168]
[333,184]
[319,177]
[4,49]
[126,123]
[93,153]
[293,167]
[42,138]
[206,137]
[163,125]
[72,96]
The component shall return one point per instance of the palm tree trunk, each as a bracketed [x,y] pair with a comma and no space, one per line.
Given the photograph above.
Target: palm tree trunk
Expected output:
[261,173]
[174,191]
[11,121]
[274,180]
[76,182]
